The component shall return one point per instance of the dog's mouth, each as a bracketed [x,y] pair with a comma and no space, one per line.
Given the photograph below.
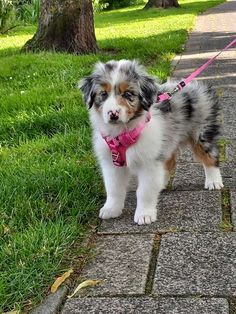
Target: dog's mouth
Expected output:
[131,119]
[115,122]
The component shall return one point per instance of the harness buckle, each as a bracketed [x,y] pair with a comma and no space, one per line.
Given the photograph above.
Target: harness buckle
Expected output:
[115,156]
[117,159]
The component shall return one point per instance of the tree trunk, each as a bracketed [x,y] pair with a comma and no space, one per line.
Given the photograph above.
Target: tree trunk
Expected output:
[161,4]
[65,25]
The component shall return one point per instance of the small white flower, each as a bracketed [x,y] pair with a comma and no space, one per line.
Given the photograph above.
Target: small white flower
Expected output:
[22,92]
[10,78]
[28,75]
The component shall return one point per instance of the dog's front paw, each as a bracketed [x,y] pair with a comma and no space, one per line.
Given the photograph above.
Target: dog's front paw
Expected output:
[213,179]
[145,218]
[214,185]
[106,212]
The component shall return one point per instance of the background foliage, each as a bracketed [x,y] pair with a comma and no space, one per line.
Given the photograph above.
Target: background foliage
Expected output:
[13,13]
[116,4]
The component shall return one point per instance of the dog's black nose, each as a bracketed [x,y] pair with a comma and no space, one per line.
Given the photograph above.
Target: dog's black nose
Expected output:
[114,115]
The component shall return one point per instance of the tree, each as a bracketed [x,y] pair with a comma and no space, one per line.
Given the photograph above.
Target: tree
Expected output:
[161,4]
[65,25]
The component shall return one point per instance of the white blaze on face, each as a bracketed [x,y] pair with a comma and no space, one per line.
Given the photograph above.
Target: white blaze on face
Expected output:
[110,106]
[114,109]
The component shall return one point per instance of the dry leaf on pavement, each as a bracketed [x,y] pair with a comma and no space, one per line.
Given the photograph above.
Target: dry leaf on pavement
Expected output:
[86,283]
[60,280]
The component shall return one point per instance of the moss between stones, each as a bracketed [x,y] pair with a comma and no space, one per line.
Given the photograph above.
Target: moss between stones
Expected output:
[226,223]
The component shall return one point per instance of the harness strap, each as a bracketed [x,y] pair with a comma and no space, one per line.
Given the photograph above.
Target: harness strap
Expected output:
[119,144]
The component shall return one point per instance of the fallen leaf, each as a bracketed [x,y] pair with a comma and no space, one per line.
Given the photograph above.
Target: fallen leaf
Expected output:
[12,312]
[60,280]
[84,284]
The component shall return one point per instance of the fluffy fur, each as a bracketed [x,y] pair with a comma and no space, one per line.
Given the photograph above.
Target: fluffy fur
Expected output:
[119,94]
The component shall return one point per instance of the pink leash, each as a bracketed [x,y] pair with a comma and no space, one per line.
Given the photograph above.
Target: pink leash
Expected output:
[187,80]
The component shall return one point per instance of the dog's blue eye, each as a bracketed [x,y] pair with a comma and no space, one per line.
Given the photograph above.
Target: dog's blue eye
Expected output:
[128,95]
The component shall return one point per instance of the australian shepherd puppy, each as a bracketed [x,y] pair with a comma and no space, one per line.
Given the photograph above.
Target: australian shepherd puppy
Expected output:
[120,95]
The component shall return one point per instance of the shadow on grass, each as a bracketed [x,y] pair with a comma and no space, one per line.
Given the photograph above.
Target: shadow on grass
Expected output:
[21,30]
[140,47]
[7,52]
[123,47]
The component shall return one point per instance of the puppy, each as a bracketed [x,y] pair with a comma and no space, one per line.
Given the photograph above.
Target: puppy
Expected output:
[121,98]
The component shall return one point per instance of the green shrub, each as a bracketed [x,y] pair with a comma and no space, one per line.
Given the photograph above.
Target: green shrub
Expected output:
[99,6]
[28,10]
[7,15]
[115,4]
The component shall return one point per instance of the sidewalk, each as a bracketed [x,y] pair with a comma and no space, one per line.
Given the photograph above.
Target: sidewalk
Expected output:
[185,263]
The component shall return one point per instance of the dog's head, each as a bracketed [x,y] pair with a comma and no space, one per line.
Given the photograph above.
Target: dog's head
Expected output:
[119,91]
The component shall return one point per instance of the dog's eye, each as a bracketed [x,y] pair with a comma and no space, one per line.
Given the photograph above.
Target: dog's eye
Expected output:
[103,93]
[127,95]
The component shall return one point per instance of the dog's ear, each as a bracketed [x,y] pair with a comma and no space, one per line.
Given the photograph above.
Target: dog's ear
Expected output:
[148,91]
[87,86]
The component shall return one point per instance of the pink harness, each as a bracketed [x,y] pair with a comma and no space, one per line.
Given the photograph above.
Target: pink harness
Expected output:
[119,144]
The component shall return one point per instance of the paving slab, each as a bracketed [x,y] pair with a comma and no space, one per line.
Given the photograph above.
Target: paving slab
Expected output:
[186,155]
[190,176]
[233,207]
[146,306]
[177,211]
[121,262]
[196,264]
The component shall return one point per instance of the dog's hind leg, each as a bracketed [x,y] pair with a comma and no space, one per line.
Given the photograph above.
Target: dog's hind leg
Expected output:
[169,167]
[209,158]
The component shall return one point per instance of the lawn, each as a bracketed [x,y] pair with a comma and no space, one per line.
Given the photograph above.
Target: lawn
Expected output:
[50,186]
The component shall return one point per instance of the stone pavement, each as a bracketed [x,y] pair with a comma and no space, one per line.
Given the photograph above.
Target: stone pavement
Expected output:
[185,263]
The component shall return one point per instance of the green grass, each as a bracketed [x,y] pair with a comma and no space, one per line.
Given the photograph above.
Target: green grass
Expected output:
[50,186]
[226,222]
[222,144]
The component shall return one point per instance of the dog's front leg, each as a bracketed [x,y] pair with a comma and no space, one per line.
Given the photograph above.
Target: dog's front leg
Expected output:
[116,181]
[150,183]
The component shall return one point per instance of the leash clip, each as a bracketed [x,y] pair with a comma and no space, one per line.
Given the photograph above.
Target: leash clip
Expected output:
[179,87]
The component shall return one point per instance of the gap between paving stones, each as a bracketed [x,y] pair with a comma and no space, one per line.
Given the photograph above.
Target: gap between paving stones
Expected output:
[232,305]
[152,264]
[227,211]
